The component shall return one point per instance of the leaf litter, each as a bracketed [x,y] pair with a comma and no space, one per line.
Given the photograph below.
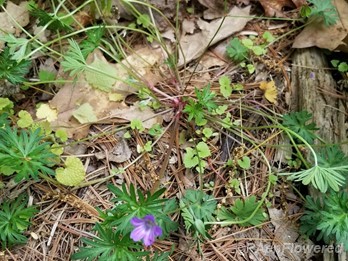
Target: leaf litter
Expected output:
[97,98]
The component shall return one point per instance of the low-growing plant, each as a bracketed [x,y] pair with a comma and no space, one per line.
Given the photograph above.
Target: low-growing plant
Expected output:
[14,221]
[327,218]
[115,240]
[197,208]
[25,154]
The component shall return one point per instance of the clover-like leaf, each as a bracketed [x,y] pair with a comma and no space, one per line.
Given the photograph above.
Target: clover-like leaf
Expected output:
[25,119]
[203,150]
[46,112]
[225,86]
[73,173]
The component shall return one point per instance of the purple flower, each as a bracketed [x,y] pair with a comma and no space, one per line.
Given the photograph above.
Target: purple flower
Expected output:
[145,229]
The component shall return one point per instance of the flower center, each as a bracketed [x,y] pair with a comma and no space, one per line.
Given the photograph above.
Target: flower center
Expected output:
[149,224]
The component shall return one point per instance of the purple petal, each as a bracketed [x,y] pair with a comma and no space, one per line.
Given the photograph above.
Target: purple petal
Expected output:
[138,234]
[150,218]
[149,238]
[137,221]
[157,231]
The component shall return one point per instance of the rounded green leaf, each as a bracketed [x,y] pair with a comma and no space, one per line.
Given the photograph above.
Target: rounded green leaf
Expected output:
[73,173]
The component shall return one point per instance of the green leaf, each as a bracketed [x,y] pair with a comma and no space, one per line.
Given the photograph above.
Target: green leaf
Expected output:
[208,132]
[238,87]
[197,207]
[25,153]
[85,114]
[52,21]
[74,61]
[18,47]
[73,173]
[137,124]
[335,63]
[93,41]
[62,135]
[11,70]
[5,104]
[327,218]
[109,245]
[259,50]
[251,68]
[156,130]
[190,158]
[46,76]
[343,67]
[25,119]
[144,20]
[243,212]
[237,51]
[244,163]
[14,220]
[268,37]
[46,112]
[323,10]
[100,75]
[225,86]
[203,150]
[130,202]
[297,122]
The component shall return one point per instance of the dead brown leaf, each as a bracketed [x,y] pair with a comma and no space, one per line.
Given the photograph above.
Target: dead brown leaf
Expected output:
[332,38]
[72,95]
[194,45]
[16,14]
[274,8]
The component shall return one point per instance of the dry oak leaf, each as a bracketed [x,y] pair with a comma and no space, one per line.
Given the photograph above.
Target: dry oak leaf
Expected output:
[275,7]
[15,17]
[270,91]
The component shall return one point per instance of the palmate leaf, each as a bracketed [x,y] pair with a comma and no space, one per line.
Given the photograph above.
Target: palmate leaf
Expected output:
[11,70]
[109,246]
[329,220]
[196,208]
[320,178]
[323,10]
[330,172]
[24,153]
[14,220]
[237,51]
[297,122]
[135,203]
[241,212]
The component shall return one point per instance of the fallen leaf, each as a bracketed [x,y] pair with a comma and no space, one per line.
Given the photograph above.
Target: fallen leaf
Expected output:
[270,91]
[274,8]
[72,95]
[120,152]
[145,115]
[99,80]
[85,114]
[326,37]
[46,112]
[16,17]
[192,46]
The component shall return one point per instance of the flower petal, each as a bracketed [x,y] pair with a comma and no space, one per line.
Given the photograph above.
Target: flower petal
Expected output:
[137,221]
[149,238]
[150,218]
[138,234]
[157,231]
